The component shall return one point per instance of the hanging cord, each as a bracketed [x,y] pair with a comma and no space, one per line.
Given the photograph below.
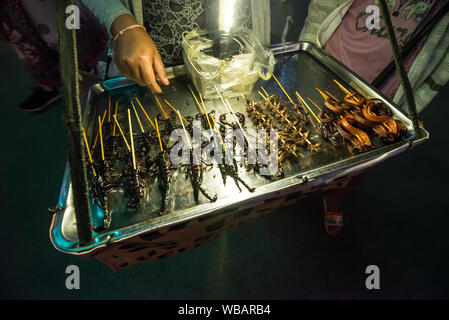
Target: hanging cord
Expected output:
[288,20]
[68,63]
[408,91]
[288,23]
[417,36]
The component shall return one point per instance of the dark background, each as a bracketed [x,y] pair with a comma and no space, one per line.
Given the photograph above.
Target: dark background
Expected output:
[396,218]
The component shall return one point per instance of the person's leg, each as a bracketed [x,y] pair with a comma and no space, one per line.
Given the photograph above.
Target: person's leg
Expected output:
[30,48]
[33,51]
[36,53]
[332,201]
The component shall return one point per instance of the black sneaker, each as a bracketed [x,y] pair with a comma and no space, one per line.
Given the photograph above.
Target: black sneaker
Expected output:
[40,99]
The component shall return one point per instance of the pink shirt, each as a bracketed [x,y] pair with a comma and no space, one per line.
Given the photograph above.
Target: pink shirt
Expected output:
[368,52]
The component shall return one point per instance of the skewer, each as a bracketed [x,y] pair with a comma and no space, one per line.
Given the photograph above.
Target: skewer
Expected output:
[138,119]
[359,90]
[109,113]
[146,114]
[299,131]
[342,88]
[228,106]
[265,98]
[280,85]
[345,90]
[98,133]
[121,132]
[330,95]
[207,118]
[263,89]
[307,106]
[219,134]
[160,106]
[320,110]
[101,138]
[115,113]
[205,111]
[315,104]
[132,140]
[175,110]
[184,128]
[158,134]
[322,94]
[89,154]
[196,100]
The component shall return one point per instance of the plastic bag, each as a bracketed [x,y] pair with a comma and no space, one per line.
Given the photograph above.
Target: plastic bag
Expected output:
[230,62]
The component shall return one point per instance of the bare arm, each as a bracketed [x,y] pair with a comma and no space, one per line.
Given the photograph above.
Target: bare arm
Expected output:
[136,54]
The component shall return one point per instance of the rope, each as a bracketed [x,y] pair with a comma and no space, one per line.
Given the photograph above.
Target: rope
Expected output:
[288,20]
[413,114]
[68,64]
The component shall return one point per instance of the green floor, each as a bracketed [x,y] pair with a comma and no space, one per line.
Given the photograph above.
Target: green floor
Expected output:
[396,219]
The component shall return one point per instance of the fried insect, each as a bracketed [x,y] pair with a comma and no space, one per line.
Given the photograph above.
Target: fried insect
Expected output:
[195,171]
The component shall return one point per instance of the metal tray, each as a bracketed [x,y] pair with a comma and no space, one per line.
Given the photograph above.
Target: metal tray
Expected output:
[300,67]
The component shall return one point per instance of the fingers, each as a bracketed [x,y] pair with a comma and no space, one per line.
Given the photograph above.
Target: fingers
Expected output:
[148,77]
[160,69]
[143,69]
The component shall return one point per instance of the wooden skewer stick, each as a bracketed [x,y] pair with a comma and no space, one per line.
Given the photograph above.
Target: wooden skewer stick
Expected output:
[322,94]
[219,134]
[342,88]
[115,113]
[132,139]
[158,134]
[315,104]
[89,154]
[146,114]
[307,106]
[330,95]
[280,85]
[359,90]
[184,128]
[229,108]
[205,111]
[265,98]
[98,133]
[175,110]
[160,106]
[138,119]
[207,118]
[266,93]
[196,100]
[109,113]
[101,138]
[121,132]
[320,110]
[345,90]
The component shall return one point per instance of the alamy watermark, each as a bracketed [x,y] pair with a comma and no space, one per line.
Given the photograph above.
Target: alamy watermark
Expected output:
[373,280]
[249,147]
[373,20]
[72,282]
[73,20]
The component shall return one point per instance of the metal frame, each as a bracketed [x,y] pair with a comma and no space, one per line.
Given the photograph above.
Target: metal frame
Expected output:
[63,234]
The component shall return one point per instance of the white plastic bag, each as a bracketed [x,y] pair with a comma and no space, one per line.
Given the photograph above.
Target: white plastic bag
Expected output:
[232,61]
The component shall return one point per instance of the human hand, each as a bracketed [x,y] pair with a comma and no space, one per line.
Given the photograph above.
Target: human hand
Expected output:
[136,55]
